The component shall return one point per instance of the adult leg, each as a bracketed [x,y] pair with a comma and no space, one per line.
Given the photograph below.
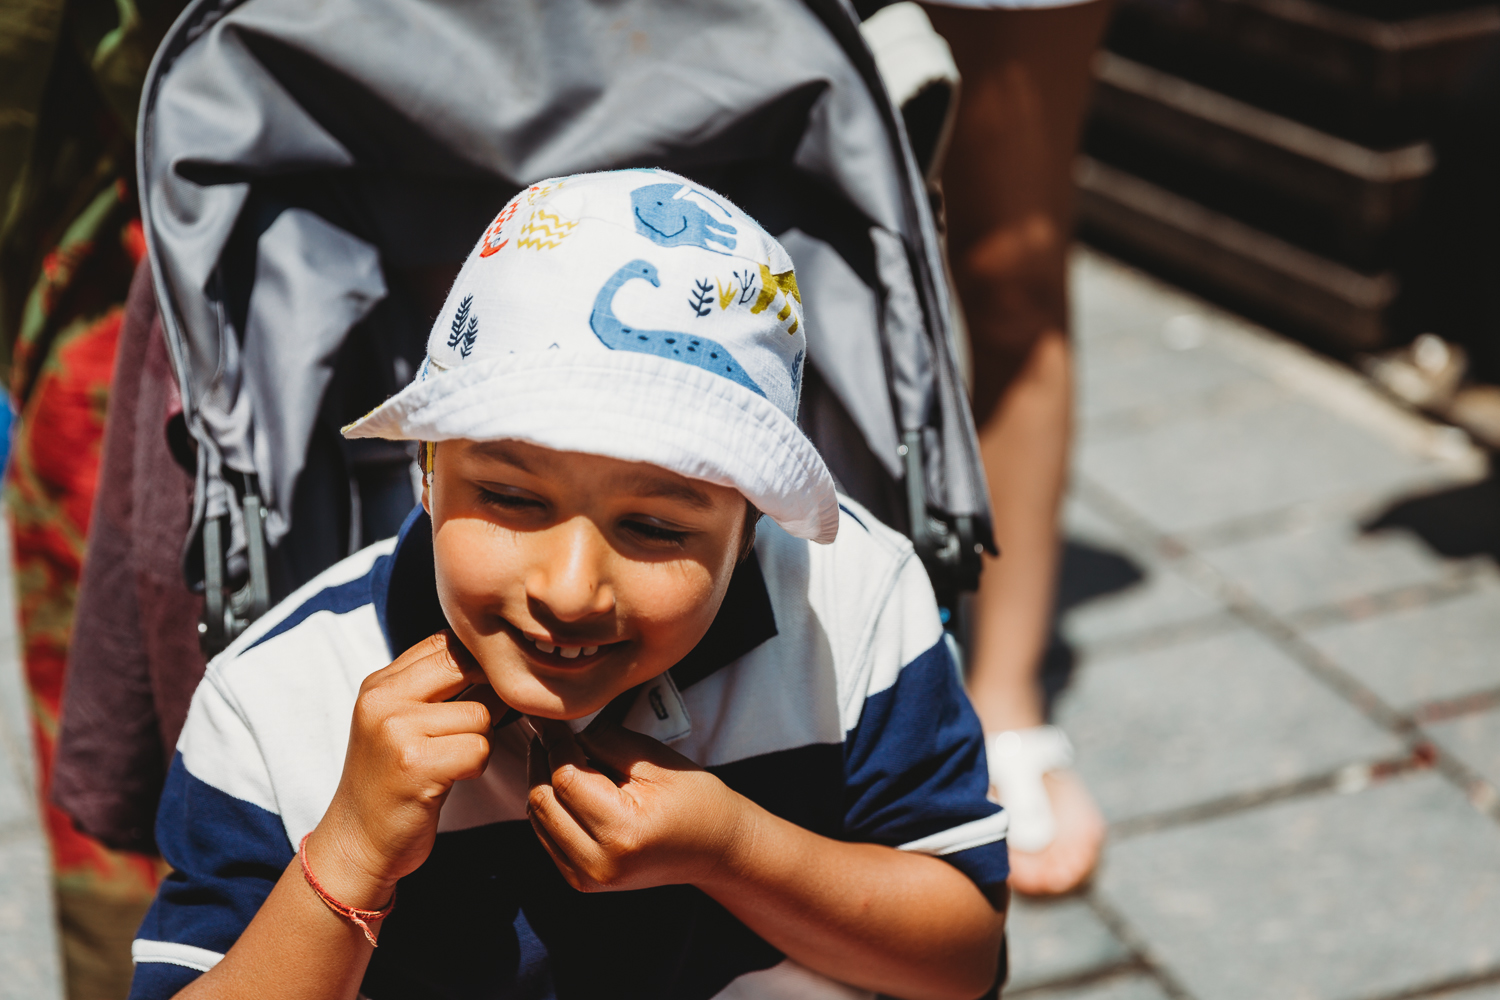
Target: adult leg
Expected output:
[1009,193]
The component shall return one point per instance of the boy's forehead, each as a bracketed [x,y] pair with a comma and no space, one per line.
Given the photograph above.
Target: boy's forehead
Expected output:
[636,478]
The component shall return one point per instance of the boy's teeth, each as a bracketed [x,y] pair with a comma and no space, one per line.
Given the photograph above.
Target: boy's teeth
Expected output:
[566,652]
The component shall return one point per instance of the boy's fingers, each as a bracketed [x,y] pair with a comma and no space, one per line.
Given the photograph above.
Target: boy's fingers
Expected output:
[542,804]
[435,669]
[450,717]
[591,797]
[484,695]
[562,746]
[460,756]
[554,850]
[625,750]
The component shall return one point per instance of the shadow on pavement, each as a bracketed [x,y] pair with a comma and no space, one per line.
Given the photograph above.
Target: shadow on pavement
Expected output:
[1087,573]
[1455,523]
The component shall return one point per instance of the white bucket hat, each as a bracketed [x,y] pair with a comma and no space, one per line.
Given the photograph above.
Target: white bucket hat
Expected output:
[632,314]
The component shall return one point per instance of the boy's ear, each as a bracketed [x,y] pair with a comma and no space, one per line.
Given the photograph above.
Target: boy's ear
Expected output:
[424,461]
[747,533]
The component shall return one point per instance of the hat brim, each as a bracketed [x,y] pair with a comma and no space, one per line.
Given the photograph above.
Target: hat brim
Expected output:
[634,407]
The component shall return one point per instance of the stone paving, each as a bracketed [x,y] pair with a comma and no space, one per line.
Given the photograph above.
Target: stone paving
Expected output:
[1282,611]
[1283,614]
[30,964]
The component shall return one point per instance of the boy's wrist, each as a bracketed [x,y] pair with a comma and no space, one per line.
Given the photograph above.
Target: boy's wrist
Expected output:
[344,871]
[743,832]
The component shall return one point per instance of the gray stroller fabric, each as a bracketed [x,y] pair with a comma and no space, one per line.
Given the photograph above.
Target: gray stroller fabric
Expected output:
[309,173]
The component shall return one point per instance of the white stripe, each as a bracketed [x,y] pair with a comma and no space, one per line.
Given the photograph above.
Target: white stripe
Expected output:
[965,837]
[344,571]
[172,953]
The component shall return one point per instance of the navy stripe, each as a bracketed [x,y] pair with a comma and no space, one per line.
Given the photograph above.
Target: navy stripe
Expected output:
[915,764]
[340,599]
[855,516]
[803,785]
[226,856]
[986,866]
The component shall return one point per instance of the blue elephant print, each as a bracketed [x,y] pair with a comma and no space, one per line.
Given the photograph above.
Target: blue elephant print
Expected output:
[701,352]
[678,222]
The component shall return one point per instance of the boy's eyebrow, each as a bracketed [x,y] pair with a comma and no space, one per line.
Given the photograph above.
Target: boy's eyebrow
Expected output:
[647,485]
[498,451]
[641,484]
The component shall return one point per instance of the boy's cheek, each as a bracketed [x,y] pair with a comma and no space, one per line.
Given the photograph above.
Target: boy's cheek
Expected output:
[661,611]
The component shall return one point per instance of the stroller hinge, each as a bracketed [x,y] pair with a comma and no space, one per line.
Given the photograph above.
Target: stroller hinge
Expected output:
[948,551]
[227,614]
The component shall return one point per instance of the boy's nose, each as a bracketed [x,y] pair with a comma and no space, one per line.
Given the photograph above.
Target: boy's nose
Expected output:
[570,578]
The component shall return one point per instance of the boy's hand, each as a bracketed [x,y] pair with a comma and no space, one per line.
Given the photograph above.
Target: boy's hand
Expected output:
[407,746]
[659,820]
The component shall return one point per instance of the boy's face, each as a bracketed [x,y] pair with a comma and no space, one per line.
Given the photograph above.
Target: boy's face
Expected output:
[572,577]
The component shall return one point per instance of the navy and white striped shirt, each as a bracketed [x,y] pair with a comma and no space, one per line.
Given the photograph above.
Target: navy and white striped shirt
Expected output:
[824,690]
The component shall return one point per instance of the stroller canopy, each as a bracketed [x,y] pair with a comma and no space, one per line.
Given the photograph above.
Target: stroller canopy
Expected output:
[307,171]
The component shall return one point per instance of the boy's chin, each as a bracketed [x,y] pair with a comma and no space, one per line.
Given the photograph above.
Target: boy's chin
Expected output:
[529,695]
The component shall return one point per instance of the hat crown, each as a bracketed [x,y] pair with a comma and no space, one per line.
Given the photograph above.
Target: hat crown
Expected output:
[643,261]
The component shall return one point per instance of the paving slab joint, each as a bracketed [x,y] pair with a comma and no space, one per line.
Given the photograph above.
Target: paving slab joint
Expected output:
[1347,779]
[1460,582]
[1129,966]
[1162,636]
[1143,955]
[1442,988]
[1453,708]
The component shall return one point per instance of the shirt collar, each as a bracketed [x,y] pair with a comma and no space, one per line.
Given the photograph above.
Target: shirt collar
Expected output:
[406,604]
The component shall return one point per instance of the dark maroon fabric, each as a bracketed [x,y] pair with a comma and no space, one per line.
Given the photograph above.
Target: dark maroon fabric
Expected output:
[134,659]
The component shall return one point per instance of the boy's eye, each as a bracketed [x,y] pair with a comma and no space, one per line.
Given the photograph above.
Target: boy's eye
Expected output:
[507,501]
[655,532]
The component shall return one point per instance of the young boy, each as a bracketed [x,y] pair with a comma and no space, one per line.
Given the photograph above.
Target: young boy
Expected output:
[629,746]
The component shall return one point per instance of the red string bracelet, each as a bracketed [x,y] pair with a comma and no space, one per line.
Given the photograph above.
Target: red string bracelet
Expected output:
[360,918]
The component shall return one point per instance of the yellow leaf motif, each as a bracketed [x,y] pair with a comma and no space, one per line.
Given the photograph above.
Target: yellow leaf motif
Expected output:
[771,285]
[544,230]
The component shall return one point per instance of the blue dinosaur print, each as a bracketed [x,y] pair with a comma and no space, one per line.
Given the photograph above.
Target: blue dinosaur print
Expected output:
[710,355]
[678,222]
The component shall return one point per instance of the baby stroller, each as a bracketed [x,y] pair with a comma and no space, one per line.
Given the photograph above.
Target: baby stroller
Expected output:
[312,177]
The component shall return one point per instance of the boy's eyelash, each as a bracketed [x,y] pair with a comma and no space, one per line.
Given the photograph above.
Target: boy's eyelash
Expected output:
[505,500]
[657,534]
[652,532]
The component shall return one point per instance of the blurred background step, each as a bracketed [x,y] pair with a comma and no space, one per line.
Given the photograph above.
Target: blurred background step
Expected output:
[1339,197]
[1248,268]
[1324,165]
[1364,70]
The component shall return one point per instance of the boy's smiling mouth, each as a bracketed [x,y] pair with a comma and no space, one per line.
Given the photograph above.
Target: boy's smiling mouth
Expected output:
[555,654]
[567,652]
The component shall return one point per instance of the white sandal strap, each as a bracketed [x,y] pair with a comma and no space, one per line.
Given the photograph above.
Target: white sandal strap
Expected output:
[1018,758]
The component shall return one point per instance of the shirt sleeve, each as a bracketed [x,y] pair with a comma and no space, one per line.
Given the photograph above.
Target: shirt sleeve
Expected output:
[218,829]
[915,769]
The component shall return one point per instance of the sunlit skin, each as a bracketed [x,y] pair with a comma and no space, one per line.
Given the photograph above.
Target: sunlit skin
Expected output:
[632,562]
[579,552]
